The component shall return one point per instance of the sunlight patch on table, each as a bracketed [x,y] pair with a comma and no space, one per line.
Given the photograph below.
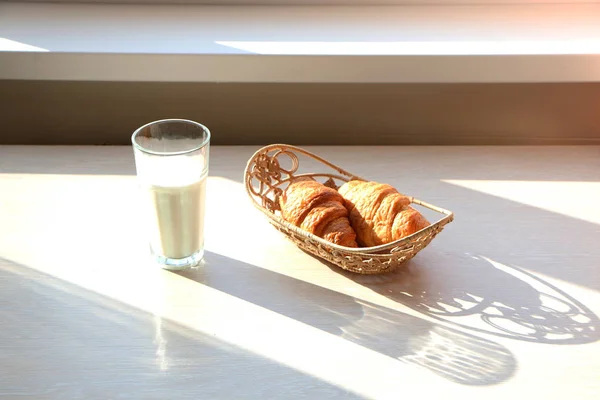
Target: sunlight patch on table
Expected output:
[573,199]
[87,230]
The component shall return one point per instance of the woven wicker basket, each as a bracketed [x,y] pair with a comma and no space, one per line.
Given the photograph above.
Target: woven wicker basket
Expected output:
[266,179]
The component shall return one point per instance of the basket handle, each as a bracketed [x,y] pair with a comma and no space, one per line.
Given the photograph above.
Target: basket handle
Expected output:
[286,147]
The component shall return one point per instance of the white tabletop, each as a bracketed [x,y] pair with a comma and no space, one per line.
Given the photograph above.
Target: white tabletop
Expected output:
[503,304]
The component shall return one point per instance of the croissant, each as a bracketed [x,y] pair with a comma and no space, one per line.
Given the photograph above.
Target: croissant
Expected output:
[378,213]
[319,210]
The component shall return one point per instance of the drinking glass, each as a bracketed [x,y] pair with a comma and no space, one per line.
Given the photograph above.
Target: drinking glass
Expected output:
[171,159]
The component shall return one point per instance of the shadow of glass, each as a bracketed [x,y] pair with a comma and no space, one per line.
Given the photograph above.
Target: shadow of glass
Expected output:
[475,293]
[454,355]
[60,341]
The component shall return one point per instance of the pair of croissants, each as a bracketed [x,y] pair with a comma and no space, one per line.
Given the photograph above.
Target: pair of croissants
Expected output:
[358,214]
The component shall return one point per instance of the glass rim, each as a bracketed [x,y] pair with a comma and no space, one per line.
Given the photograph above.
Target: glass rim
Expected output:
[170,153]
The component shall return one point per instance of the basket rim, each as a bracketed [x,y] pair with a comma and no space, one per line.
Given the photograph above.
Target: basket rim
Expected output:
[364,251]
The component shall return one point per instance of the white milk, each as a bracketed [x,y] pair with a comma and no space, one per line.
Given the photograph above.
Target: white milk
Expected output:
[174,196]
[176,216]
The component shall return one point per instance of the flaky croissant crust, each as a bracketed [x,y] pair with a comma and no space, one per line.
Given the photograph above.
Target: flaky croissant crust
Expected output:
[319,210]
[378,213]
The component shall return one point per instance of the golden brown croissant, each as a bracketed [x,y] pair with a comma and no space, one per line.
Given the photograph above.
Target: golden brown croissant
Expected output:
[379,214]
[319,210]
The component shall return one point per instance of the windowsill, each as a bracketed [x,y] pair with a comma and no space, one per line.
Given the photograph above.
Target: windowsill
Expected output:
[431,44]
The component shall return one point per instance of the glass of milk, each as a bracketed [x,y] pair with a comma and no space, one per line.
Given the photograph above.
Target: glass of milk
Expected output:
[171,159]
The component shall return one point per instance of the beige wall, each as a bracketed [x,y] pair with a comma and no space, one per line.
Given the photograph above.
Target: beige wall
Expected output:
[107,112]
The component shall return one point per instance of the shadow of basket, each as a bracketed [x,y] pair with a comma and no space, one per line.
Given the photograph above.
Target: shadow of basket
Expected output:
[476,293]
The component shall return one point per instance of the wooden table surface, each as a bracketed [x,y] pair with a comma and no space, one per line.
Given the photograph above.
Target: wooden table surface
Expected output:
[503,304]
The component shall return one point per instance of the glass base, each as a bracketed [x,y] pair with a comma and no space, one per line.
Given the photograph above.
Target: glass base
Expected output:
[175,264]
